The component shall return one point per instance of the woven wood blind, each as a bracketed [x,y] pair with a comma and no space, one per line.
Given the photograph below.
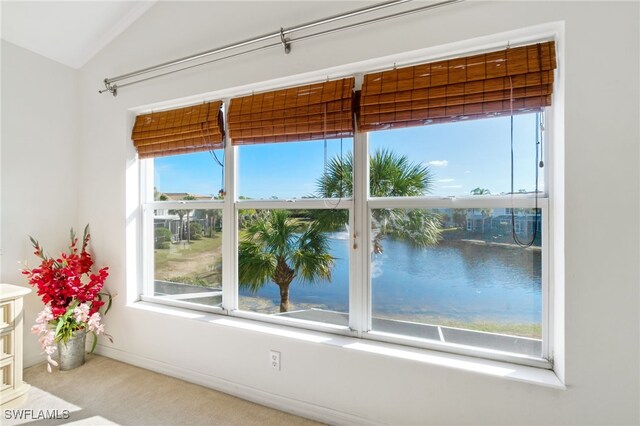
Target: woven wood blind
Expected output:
[179,131]
[456,89]
[312,112]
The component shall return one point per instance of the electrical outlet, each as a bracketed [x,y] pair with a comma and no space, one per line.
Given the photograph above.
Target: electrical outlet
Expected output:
[274,360]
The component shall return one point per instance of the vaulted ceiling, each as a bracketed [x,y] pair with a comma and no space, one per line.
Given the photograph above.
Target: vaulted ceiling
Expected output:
[69,32]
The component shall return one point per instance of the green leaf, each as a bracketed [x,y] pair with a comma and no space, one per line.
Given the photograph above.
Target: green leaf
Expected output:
[85,236]
[95,342]
[108,304]
[59,326]
[71,308]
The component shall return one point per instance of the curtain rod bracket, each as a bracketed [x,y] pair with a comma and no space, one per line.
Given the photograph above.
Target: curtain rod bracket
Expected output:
[108,87]
[285,42]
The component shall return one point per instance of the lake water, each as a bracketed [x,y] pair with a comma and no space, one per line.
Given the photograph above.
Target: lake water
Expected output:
[457,281]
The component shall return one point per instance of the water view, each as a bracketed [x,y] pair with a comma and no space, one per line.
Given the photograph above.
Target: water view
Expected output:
[441,274]
[457,268]
[453,283]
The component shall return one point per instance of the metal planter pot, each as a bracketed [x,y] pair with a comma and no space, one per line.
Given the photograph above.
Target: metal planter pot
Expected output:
[71,354]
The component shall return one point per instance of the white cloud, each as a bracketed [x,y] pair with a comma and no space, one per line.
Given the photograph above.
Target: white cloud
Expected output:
[446,180]
[467,171]
[452,186]
[438,163]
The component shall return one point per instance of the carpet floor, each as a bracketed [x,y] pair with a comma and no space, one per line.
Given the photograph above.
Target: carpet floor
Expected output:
[108,392]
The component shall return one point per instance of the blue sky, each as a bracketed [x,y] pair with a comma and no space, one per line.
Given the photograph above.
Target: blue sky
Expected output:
[461,156]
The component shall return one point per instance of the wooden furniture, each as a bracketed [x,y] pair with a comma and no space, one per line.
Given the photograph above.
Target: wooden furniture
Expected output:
[11,318]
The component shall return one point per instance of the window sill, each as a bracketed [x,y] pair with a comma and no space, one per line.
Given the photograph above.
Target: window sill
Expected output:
[496,369]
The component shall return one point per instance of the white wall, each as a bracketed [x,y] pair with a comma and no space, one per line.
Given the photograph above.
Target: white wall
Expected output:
[601,239]
[39,165]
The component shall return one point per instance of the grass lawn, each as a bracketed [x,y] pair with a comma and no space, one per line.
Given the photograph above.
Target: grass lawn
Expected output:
[533,331]
[196,262]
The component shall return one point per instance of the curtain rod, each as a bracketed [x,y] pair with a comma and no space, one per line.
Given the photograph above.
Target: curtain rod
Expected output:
[112,87]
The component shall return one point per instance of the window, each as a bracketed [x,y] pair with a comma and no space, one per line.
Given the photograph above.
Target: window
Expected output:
[292,265]
[448,269]
[293,145]
[466,157]
[429,232]
[184,228]
[187,255]
[293,230]
[262,174]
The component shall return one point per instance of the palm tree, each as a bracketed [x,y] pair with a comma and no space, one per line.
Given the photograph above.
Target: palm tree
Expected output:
[180,214]
[279,248]
[210,218]
[486,213]
[390,175]
[213,216]
[480,191]
[460,217]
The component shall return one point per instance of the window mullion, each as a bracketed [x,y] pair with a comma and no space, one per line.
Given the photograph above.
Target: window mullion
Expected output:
[148,263]
[467,202]
[297,204]
[147,252]
[546,300]
[230,231]
[359,306]
[194,204]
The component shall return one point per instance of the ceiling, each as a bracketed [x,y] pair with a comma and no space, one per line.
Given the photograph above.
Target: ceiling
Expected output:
[69,32]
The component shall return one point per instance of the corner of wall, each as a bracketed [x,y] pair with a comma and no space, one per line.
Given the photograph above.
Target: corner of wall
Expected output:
[39,164]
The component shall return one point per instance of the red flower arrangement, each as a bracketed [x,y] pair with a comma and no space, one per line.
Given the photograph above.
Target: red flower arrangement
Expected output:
[71,294]
[60,281]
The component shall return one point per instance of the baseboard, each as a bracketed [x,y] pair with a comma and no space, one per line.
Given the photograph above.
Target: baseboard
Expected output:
[289,405]
[33,360]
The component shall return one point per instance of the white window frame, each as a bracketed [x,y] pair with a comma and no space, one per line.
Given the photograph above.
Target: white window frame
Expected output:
[470,202]
[234,205]
[359,215]
[359,208]
[148,206]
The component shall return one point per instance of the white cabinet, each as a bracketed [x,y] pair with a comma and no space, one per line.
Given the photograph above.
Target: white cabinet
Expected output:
[11,319]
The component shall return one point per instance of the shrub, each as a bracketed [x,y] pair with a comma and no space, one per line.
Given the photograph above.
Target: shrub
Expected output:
[195,229]
[163,238]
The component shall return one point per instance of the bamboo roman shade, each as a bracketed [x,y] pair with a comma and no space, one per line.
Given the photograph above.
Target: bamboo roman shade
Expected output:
[179,131]
[456,89]
[311,112]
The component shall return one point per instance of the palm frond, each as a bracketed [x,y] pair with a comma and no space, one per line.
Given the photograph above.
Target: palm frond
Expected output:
[329,220]
[420,227]
[337,182]
[255,266]
[393,175]
[312,260]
